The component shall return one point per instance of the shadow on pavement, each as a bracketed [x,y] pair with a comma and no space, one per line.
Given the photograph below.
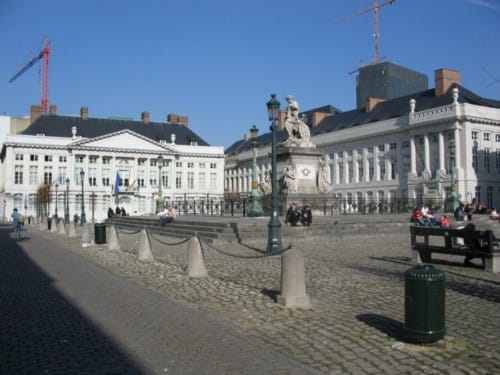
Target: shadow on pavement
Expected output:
[390,327]
[41,331]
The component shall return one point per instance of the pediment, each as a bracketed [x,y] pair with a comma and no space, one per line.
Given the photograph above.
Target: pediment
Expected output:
[122,140]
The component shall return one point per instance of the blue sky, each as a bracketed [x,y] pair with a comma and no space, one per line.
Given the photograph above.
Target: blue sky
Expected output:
[218,61]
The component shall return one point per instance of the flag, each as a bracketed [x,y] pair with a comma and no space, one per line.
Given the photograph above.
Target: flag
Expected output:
[117,183]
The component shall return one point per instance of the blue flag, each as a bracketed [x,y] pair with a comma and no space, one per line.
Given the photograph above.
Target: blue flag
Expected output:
[117,183]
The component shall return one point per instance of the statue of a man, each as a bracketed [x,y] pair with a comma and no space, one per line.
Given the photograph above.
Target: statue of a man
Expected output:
[324,181]
[290,181]
[298,132]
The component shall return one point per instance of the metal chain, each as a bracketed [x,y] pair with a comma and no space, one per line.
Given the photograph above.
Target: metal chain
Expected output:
[167,243]
[245,256]
[125,232]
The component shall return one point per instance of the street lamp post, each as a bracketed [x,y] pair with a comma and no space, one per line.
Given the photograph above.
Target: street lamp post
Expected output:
[160,202]
[255,195]
[83,218]
[66,203]
[453,202]
[57,187]
[274,232]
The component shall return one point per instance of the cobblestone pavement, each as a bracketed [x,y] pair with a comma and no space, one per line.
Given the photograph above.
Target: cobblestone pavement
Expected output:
[356,285]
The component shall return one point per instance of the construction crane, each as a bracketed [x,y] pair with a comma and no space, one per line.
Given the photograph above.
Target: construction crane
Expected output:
[376,34]
[42,55]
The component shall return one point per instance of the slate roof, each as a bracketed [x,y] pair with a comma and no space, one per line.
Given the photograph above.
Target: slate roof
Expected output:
[384,110]
[60,126]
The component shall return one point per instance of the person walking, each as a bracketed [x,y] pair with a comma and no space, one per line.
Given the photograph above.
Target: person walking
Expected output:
[16,225]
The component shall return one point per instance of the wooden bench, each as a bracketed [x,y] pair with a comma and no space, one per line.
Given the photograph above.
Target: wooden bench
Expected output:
[466,243]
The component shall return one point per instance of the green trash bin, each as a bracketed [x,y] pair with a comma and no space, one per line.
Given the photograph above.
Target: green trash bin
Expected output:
[100,233]
[424,304]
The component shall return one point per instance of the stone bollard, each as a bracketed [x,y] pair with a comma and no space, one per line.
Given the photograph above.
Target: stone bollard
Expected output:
[71,229]
[113,243]
[196,262]
[53,225]
[60,228]
[86,238]
[293,281]
[145,253]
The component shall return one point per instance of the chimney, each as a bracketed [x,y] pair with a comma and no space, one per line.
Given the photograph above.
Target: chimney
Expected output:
[36,112]
[84,113]
[52,109]
[371,103]
[281,121]
[317,117]
[172,118]
[443,79]
[145,117]
[183,120]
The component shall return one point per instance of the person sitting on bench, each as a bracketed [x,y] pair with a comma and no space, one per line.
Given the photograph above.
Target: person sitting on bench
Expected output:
[474,241]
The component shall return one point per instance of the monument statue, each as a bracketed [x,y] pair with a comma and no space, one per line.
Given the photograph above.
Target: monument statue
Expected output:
[289,179]
[298,132]
[324,180]
[265,185]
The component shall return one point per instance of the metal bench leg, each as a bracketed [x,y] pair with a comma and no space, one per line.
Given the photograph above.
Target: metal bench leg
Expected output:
[415,255]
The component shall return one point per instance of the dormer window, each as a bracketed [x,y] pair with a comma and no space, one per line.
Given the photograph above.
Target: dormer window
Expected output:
[194,143]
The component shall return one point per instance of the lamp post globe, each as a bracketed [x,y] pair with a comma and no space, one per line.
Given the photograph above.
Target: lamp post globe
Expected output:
[453,201]
[255,195]
[83,219]
[66,203]
[274,226]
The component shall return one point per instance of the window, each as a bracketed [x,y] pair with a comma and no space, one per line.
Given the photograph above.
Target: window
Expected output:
[92,159]
[487,160]
[153,179]
[178,164]
[47,175]
[478,194]
[178,180]
[62,159]
[61,177]
[190,165]
[106,160]
[394,166]
[213,180]
[105,176]
[92,176]
[381,165]
[201,180]
[33,175]
[393,146]
[48,158]
[475,135]
[141,162]
[405,144]
[486,136]
[79,159]
[190,180]
[19,157]
[497,159]
[194,143]
[33,157]
[141,178]
[18,174]
[213,166]
[371,171]
[474,159]
[142,204]
[497,137]
[434,139]
[164,178]
[201,165]
[153,162]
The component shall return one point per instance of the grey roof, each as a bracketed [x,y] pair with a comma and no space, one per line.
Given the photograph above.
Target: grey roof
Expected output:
[60,126]
[384,110]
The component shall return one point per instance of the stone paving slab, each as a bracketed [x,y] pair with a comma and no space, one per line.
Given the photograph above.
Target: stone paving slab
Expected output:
[356,285]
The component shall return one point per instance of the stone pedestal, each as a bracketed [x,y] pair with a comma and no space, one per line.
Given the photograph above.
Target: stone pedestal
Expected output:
[306,162]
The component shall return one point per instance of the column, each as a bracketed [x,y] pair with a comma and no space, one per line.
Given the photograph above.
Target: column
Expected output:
[376,165]
[413,158]
[336,168]
[458,159]
[427,156]
[355,166]
[366,165]
[442,169]
[345,162]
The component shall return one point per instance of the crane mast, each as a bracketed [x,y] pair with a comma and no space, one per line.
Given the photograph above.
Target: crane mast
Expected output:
[44,56]
[376,33]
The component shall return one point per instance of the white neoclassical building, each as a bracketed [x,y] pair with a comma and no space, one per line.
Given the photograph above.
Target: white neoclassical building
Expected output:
[397,148]
[125,163]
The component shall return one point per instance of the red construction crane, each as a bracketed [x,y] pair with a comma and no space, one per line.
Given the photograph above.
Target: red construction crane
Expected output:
[43,54]
[376,33]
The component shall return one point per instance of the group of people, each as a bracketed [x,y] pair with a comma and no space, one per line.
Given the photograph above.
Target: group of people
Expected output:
[118,212]
[294,215]
[425,217]
[167,216]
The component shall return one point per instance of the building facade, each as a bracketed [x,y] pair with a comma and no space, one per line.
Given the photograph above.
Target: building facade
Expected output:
[125,163]
[413,147]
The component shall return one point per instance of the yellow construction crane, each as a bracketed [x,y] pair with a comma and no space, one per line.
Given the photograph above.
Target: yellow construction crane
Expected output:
[376,34]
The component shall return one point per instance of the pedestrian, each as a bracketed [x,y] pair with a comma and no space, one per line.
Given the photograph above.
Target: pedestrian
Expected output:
[306,216]
[16,226]
[118,212]
[111,213]
[124,213]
